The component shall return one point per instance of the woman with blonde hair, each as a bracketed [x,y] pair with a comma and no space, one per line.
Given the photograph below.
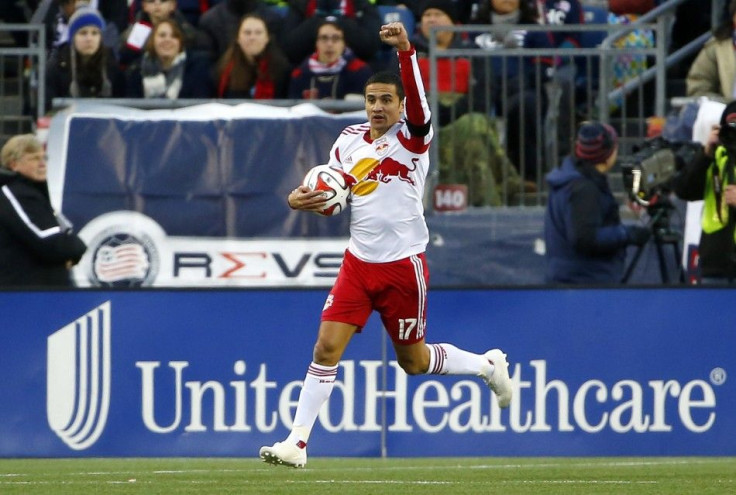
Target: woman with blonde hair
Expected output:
[253,66]
[37,245]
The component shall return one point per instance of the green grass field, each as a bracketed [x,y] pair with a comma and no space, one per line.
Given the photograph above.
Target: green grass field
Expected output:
[346,476]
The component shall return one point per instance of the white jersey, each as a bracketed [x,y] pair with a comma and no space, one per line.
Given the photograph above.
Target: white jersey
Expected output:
[387,221]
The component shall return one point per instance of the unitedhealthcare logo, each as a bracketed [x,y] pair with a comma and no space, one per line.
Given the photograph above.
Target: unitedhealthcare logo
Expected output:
[78,378]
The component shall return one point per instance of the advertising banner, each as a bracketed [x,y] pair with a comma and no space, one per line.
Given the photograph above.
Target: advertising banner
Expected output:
[596,372]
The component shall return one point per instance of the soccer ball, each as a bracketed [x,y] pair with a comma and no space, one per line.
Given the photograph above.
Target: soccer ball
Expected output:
[332,182]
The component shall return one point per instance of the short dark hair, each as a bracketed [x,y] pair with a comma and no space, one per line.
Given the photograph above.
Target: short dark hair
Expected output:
[330,22]
[386,77]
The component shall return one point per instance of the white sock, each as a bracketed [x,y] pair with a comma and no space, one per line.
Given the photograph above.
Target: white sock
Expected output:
[316,390]
[446,359]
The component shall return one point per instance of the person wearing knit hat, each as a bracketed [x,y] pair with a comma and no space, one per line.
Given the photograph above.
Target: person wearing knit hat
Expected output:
[711,177]
[596,143]
[83,67]
[584,237]
[85,17]
[445,6]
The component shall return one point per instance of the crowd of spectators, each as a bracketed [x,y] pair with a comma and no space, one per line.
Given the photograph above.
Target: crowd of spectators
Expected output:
[211,29]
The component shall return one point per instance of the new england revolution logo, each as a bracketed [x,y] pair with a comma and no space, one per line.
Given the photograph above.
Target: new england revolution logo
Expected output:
[121,259]
[123,250]
[78,378]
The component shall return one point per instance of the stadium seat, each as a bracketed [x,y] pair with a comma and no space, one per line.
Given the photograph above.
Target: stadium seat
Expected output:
[392,13]
[593,15]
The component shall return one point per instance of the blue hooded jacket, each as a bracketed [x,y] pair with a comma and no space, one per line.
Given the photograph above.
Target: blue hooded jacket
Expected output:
[585,240]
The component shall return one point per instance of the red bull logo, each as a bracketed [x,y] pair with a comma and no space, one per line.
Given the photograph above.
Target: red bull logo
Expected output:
[370,172]
[389,168]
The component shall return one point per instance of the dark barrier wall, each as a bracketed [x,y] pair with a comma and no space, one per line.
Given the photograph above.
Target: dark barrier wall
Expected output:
[220,177]
[217,373]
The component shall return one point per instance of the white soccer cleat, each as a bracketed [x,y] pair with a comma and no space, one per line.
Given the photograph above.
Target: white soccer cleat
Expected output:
[285,454]
[498,380]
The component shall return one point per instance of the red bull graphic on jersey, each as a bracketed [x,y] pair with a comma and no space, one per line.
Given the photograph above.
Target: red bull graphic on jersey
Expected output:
[382,147]
[369,172]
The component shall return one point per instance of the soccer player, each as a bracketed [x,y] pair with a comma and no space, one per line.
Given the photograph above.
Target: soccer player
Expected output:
[384,268]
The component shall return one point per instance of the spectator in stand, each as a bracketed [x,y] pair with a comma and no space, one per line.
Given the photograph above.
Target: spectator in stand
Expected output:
[253,66]
[563,13]
[37,246]
[524,102]
[114,12]
[220,23]
[584,237]
[133,40]
[358,19]
[57,22]
[713,74]
[453,74]
[332,72]
[167,69]
[191,9]
[84,67]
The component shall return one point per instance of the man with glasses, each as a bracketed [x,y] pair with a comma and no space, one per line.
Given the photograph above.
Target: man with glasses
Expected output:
[37,246]
[359,20]
[332,71]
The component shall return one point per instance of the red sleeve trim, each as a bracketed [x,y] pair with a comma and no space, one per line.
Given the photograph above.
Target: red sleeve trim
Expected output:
[412,87]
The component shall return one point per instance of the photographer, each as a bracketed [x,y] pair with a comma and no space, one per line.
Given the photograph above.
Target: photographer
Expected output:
[585,239]
[710,177]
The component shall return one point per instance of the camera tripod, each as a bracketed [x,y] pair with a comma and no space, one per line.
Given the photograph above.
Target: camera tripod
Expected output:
[662,235]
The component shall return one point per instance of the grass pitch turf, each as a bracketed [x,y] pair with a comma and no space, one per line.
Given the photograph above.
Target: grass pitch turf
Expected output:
[347,476]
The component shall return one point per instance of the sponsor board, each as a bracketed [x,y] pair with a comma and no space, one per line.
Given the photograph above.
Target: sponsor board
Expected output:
[218,372]
[128,249]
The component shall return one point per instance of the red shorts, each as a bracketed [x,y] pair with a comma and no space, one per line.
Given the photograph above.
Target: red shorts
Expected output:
[397,290]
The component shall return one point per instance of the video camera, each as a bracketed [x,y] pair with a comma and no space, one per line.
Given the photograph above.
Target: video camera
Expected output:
[650,170]
[648,176]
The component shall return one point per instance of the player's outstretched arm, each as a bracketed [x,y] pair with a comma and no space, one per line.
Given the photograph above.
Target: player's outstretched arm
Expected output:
[417,108]
[394,34]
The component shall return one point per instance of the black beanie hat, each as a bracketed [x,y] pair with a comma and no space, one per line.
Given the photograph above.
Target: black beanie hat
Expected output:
[446,6]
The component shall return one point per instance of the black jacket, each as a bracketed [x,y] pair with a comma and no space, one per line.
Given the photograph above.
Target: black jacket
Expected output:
[59,77]
[34,246]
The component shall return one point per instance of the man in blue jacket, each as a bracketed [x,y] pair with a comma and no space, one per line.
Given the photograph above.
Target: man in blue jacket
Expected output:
[585,239]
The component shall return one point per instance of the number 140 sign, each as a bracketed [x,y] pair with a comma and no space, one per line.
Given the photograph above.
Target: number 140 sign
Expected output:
[451,197]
